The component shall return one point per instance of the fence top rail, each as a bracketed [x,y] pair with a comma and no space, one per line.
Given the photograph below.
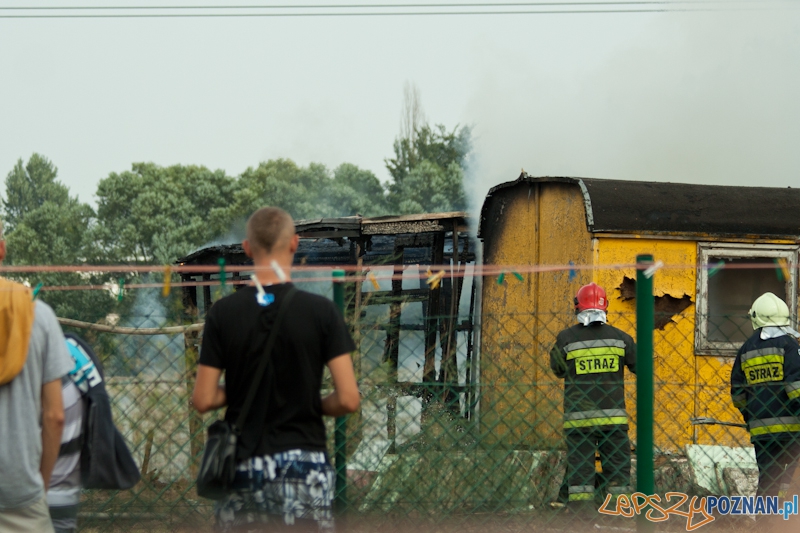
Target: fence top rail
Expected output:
[168,330]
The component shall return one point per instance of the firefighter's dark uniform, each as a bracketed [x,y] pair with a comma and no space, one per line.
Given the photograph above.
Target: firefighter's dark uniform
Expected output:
[591,360]
[765,387]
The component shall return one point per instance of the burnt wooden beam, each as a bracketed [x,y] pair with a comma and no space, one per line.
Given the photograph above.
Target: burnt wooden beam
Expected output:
[393,348]
[431,314]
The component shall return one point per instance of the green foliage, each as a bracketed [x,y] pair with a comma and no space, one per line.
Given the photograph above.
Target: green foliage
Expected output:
[45,225]
[155,214]
[29,187]
[428,170]
[53,233]
[277,182]
[305,192]
[356,191]
[430,189]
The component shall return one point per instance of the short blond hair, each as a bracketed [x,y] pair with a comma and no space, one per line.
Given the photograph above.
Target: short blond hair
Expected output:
[269,227]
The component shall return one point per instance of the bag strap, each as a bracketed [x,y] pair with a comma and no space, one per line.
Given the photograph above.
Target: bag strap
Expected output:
[262,366]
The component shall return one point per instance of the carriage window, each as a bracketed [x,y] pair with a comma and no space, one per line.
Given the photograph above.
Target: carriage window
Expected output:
[727,287]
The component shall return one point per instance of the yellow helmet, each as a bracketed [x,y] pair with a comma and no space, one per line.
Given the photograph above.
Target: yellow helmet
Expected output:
[769,310]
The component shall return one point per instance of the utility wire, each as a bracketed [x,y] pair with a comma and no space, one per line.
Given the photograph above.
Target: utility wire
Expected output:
[352,6]
[379,10]
[335,14]
[389,6]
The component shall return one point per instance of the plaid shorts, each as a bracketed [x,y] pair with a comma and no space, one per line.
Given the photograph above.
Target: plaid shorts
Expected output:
[292,488]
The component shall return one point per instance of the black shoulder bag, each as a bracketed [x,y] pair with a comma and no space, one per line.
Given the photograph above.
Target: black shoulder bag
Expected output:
[218,467]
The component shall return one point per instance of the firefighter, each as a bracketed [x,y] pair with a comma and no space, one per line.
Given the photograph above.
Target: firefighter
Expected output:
[591,356]
[765,387]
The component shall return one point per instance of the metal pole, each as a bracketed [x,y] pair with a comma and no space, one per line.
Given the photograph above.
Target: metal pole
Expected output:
[645,308]
[340,431]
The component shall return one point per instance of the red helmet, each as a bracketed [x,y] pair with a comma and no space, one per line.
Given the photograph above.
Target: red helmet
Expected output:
[591,296]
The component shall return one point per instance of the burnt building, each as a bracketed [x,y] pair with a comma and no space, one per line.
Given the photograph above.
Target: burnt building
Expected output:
[421,333]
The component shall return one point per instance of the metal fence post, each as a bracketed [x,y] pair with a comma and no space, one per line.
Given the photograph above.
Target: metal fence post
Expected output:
[645,308]
[340,431]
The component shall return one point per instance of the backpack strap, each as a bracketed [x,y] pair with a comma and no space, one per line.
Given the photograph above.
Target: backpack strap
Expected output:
[262,366]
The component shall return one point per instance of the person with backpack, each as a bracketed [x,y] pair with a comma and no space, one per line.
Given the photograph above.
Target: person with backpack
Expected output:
[33,359]
[283,476]
[93,454]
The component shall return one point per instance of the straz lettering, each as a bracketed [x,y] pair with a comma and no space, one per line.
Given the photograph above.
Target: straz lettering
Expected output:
[764,373]
[596,364]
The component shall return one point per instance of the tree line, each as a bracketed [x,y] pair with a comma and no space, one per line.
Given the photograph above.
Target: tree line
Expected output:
[154,215]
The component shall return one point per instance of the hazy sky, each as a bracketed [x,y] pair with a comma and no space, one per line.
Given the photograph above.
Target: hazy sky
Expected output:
[693,97]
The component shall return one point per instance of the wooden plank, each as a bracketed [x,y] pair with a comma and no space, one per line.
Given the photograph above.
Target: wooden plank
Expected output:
[412,218]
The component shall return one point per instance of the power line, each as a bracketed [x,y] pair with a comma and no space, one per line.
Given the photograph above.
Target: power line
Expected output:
[333,14]
[385,6]
[380,10]
[346,6]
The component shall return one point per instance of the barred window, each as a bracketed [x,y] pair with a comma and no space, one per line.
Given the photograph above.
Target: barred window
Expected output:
[736,275]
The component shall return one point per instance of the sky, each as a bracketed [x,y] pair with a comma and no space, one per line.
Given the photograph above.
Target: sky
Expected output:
[701,97]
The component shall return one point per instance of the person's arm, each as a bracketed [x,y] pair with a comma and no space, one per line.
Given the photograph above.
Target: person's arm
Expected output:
[52,426]
[208,394]
[345,397]
[791,374]
[557,362]
[738,386]
[630,354]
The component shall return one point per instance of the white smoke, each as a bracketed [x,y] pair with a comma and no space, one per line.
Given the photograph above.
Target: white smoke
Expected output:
[699,98]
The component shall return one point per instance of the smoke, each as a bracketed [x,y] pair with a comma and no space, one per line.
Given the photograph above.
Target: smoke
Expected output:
[697,98]
[153,356]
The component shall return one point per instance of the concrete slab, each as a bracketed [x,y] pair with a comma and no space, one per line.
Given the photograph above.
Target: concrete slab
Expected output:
[710,462]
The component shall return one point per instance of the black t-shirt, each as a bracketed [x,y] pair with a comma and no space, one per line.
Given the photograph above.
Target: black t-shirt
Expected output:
[311,334]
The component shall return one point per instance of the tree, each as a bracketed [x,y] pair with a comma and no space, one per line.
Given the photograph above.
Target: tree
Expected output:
[43,224]
[305,192]
[430,189]
[429,162]
[154,214]
[413,117]
[51,234]
[436,155]
[354,191]
[278,182]
[46,226]
[436,145]
[29,187]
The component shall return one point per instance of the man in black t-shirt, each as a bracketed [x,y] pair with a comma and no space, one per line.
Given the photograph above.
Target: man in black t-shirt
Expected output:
[284,477]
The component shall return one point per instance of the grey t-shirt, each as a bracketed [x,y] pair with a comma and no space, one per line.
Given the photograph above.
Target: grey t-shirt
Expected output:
[21,484]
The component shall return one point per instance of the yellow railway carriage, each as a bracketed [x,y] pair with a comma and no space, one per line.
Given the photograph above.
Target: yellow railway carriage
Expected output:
[748,235]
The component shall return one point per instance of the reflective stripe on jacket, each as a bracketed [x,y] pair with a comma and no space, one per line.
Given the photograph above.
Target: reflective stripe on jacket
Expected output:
[765,386]
[598,417]
[591,360]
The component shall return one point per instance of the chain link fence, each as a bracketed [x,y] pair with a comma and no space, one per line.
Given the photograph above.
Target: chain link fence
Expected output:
[463,422]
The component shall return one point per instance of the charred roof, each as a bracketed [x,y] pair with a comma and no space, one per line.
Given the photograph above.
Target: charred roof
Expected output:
[621,206]
[331,241]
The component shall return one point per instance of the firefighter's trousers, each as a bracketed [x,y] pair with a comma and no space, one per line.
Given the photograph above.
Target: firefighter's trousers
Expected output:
[615,457]
[777,459]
